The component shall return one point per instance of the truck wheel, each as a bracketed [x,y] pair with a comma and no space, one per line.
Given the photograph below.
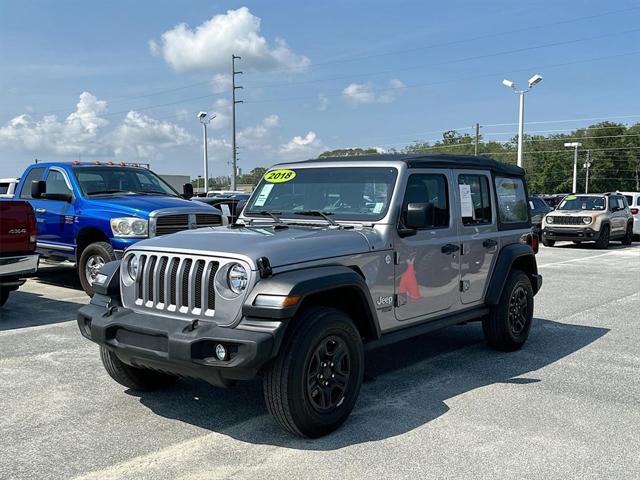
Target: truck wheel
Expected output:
[507,326]
[548,243]
[313,384]
[4,296]
[603,239]
[628,236]
[93,257]
[134,378]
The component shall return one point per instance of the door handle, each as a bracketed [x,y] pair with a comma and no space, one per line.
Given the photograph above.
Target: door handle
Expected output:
[449,248]
[489,243]
[41,210]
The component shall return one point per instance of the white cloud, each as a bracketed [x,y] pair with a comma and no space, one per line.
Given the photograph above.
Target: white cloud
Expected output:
[143,135]
[302,147]
[221,83]
[76,135]
[323,102]
[209,46]
[365,93]
[253,137]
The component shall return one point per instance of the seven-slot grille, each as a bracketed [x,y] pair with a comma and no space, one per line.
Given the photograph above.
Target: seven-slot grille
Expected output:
[567,221]
[172,223]
[180,284]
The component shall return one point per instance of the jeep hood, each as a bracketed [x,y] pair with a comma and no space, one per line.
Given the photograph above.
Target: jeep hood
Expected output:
[282,246]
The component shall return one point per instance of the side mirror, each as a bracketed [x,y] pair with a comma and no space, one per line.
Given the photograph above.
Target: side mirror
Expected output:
[38,187]
[187,191]
[419,215]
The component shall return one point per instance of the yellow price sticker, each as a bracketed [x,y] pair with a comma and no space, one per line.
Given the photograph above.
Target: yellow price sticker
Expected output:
[570,197]
[279,176]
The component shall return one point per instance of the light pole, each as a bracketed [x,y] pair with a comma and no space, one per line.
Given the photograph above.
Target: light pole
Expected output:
[204,120]
[509,84]
[575,146]
[587,164]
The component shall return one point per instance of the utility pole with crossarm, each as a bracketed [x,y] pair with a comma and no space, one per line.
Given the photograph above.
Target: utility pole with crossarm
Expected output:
[234,87]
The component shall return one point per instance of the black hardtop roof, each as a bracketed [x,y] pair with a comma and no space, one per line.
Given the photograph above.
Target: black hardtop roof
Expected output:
[416,160]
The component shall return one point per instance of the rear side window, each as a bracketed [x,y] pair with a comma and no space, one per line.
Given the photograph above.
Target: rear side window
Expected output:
[428,188]
[512,201]
[629,199]
[478,210]
[4,188]
[33,175]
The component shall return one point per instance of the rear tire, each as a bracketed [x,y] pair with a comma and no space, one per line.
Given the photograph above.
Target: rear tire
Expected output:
[134,378]
[603,239]
[548,243]
[92,257]
[507,326]
[313,384]
[628,236]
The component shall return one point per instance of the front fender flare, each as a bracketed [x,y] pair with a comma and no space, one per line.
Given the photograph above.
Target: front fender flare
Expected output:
[306,282]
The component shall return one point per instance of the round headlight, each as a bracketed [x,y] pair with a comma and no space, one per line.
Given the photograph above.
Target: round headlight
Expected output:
[139,227]
[549,219]
[237,278]
[586,220]
[132,267]
[124,227]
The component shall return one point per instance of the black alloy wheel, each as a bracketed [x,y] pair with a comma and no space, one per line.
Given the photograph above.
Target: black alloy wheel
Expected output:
[328,373]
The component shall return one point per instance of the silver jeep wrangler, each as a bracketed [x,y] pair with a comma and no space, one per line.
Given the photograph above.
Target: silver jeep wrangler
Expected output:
[330,257]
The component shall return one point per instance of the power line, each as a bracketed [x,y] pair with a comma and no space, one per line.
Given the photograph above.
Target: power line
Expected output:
[456,42]
[460,60]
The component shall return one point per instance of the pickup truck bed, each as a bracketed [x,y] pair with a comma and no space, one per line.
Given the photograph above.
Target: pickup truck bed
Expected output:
[17,245]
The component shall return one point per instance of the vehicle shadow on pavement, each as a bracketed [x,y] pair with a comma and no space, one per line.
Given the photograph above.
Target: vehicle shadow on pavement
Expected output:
[65,276]
[409,385]
[28,309]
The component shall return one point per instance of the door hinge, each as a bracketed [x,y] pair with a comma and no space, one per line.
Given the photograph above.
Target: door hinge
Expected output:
[464,285]
[399,299]
[396,258]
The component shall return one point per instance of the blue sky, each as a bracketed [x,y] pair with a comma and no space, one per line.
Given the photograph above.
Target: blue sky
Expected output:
[125,82]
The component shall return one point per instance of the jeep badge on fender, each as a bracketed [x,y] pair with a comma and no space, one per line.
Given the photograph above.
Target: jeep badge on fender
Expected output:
[305,281]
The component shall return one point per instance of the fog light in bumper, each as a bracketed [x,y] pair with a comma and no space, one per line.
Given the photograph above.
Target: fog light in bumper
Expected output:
[221,352]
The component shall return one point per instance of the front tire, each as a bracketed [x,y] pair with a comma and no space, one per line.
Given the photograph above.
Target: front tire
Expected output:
[628,236]
[603,239]
[92,258]
[313,384]
[507,326]
[134,378]
[548,243]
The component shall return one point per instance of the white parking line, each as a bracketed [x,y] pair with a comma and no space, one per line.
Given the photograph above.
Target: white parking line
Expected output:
[577,259]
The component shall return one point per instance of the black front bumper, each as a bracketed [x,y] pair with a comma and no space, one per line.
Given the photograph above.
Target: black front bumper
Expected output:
[178,346]
[586,234]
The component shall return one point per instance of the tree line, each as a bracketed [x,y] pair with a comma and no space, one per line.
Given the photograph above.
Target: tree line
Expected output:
[613,150]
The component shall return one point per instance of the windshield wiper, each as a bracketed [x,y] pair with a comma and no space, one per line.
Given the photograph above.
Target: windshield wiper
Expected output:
[318,213]
[268,213]
[105,192]
[156,192]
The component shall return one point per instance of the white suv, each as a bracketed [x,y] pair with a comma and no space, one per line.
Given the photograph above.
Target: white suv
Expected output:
[633,199]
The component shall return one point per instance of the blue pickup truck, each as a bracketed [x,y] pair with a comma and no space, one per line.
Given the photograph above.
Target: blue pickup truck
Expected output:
[89,213]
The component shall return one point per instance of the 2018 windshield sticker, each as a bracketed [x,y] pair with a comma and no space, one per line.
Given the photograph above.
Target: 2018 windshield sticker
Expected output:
[571,197]
[279,176]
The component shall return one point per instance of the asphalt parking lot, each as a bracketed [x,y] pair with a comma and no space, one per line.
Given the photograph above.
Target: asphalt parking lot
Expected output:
[439,406]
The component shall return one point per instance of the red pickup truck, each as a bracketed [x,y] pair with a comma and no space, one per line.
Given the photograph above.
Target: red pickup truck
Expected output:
[17,245]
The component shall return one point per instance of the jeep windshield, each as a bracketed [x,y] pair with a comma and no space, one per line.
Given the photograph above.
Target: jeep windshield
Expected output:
[582,203]
[343,193]
[96,181]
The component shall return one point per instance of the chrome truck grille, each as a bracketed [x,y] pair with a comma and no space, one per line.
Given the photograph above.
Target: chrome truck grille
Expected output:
[166,223]
[176,284]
